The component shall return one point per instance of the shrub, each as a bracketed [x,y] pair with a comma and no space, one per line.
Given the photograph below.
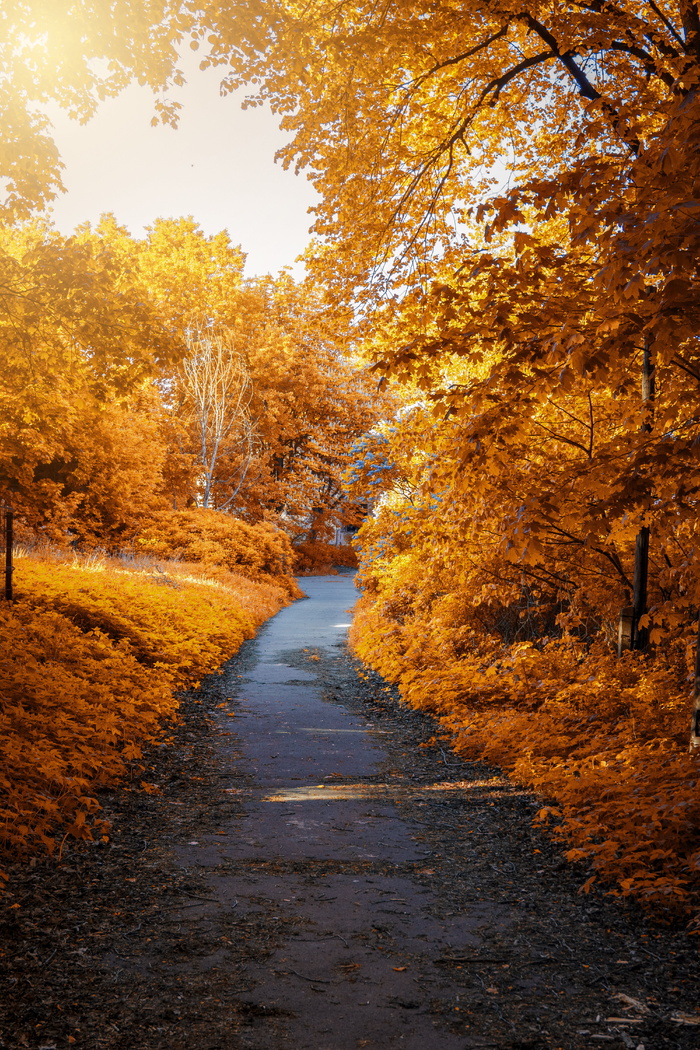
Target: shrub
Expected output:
[220,541]
[315,558]
[94,653]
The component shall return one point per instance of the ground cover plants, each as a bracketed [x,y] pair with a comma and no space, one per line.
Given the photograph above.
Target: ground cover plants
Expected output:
[96,649]
[604,740]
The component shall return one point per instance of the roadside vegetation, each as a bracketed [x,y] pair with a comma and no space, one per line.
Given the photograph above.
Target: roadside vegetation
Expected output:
[97,647]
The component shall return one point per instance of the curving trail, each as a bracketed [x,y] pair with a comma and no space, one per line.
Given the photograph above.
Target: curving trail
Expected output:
[397,928]
[319,814]
[310,872]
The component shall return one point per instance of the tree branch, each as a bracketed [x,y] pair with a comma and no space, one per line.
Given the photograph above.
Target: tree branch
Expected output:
[419,81]
[680,362]
[564,440]
[646,59]
[501,82]
[566,58]
[667,22]
[585,86]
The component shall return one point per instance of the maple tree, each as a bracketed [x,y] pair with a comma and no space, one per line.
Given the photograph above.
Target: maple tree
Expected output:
[103,421]
[407,119]
[80,353]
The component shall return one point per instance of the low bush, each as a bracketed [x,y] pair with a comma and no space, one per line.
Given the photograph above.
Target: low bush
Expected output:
[221,542]
[604,738]
[315,558]
[94,654]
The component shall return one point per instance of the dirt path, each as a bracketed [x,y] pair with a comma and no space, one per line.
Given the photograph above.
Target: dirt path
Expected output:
[312,877]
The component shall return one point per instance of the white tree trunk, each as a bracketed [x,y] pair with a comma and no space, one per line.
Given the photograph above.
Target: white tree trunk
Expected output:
[219,389]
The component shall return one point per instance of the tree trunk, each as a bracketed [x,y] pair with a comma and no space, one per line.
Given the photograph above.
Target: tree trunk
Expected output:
[640,635]
[695,718]
[9,544]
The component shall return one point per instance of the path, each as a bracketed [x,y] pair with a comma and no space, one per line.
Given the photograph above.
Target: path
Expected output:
[334,844]
[312,874]
[331,835]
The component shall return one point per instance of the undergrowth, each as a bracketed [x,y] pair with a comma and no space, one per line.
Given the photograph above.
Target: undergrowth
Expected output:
[95,651]
[315,558]
[605,739]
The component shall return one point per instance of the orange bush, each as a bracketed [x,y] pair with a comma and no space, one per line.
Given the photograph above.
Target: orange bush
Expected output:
[220,541]
[94,652]
[316,558]
[604,738]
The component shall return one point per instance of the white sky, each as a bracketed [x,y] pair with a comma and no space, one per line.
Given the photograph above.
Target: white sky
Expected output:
[218,166]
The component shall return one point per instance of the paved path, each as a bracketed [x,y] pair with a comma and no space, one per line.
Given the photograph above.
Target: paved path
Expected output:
[327,837]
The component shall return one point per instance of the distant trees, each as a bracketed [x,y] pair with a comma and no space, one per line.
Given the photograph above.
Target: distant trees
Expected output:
[130,387]
[217,392]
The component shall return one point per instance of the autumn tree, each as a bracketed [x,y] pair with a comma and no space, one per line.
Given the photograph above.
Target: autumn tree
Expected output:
[80,451]
[217,392]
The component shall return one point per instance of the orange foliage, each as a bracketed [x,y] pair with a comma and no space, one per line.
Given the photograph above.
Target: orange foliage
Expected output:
[318,558]
[94,651]
[604,738]
[222,542]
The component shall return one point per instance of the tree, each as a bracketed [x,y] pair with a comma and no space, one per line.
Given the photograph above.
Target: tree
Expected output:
[76,54]
[401,113]
[218,393]
[77,406]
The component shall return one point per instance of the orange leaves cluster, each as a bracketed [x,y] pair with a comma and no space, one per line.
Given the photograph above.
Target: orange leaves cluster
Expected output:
[98,428]
[604,738]
[94,651]
[221,543]
[75,709]
[318,558]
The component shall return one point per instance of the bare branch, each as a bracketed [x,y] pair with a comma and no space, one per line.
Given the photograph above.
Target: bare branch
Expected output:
[219,389]
[561,438]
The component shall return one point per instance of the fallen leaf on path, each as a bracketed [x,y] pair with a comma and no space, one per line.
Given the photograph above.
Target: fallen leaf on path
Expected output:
[634,1004]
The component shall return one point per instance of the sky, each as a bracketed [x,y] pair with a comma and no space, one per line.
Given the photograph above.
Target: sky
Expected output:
[218,166]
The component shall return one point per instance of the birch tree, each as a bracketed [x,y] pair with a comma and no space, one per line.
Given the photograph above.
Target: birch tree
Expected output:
[218,391]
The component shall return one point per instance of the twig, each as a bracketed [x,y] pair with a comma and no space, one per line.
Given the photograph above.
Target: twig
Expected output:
[313,980]
[48,960]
